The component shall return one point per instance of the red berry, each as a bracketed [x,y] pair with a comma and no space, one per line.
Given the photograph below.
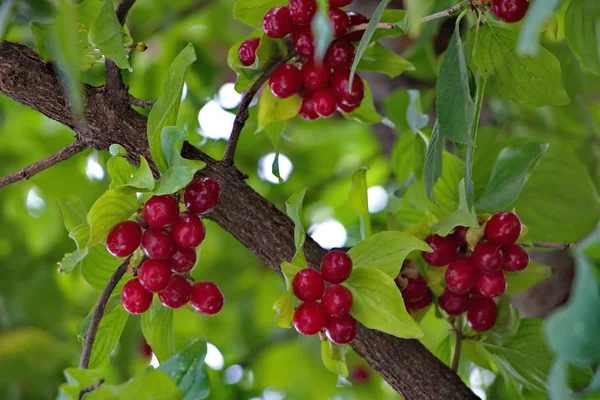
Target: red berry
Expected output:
[277,22]
[487,257]
[337,301]
[157,243]
[460,234]
[510,10]
[206,298]
[482,313]
[339,85]
[161,211]
[303,41]
[336,266]
[325,103]
[202,195]
[302,11]
[177,292]
[340,54]
[340,21]
[124,238]
[346,109]
[309,318]
[308,285]
[420,304]
[339,3]
[247,51]
[182,260]
[285,81]
[307,111]
[515,258]
[453,303]
[416,289]
[315,76]
[359,375]
[503,228]
[145,349]
[154,275]
[492,284]
[460,276]
[135,299]
[189,231]
[356,19]
[341,330]
[445,250]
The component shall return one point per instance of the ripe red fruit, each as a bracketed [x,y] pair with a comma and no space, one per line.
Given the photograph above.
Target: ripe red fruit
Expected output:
[154,275]
[341,330]
[346,109]
[340,54]
[325,102]
[177,293]
[487,257]
[482,313]
[315,76]
[285,81]
[182,260]
[460,276]
[445,250]
[277,22]
[202,195]
[161,211]
[503,228]
[206,298]
[145,349]
[416,289]
[303,41]
[189,231]
[308,285]
[453,303]
[302,11]
[420,304]
[491,285]
[340,21]
[356,19]
[337,301]
[309,318]
[339,3]
[336,266]
[339,85]
[510,10]
[460,234]
[247,51]
[157,243]
[124,238]
[135,299]
[307,110]
[516,258]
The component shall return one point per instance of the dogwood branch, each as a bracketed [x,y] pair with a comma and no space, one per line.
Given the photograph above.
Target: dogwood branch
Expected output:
[90,388]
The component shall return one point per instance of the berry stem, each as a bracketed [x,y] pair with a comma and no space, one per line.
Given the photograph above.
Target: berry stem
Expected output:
[549,245]
[89,389]
[242,113]
[457,347]
[98,312]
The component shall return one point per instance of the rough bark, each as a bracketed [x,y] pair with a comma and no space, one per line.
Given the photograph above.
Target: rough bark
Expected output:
[255,222]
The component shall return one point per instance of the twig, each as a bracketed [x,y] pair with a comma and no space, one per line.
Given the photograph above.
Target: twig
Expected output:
[549,245]
[242,113]
[140,103]
[457,347]
[45,163]
[90,388]
[90,336]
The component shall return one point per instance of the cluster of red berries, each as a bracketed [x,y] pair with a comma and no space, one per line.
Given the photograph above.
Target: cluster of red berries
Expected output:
[169,239]
[323,85]
[474,278]
[325,308]
[510,10]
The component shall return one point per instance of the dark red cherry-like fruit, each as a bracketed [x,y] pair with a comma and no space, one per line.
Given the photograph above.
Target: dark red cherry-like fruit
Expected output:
[510,10]
[356,19]
[157,243]
[135,298]
[202,195]
[325,102]
[307,110]
[308,285]
[346,109]
[154,275]
[487,257]
[460,276]
[309,318]
[341,330]
[177,293]
[516,258]
[302,11]
[336,266]
[206,298]
[340,21]
[247,51]
[348,96]
[453,303]
[285,81]
[460,234]
[339,3]
[415,289]
[503,228]
[337,301]
[303,41]
[189,231]
[161,211]
[315,76]
[481,313]
[492,284]
[277,22]
[445,250]
[182,260]
[124,238]
[420,304]
[340,54]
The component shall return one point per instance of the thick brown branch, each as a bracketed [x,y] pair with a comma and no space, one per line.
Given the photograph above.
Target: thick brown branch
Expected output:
[90,388]
[45,163]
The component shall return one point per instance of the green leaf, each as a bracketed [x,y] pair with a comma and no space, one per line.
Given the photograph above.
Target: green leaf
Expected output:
[334,357]
[366,112]
[522,280]
[377,304]
[408,156]
[454,104]
[289,271]
[98,266]
[273,109]
[582,29]
[509,174]
[507,322]
[536,17]
[108,35]
[532,81]
[126,176]
[274,131]
[378,58]
[80,235]
[251,12]
[74,214]
[109,332]
[180,170]
[149,384]
[187,369]
[110,209]
[385,251]
[284,309]
[403,108]
[322,30]
[463,216]
[476,353]
[433,161]
[446,189]
[417,9]
[157,326]
[164,111]
[359,200]
[293,206]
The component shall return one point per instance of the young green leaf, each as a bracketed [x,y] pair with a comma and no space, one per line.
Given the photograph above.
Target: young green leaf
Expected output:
[378,58]
[289,271]
[187,369]
[274,131]
[366,112]
[273,109]
[446,189]
[536,17]
[74,214]
[432,169]
[110,209]
[334,358]
[80,235]
[507,322]
[583,33]
[359,201]
[403,108]
[98,266]
[109,332]
[377,304]
[476,353]
[157,326]
[517,282]
[463,216]
[127,178]
[251,12]
[470,148]
[284,308]
[150,384]
[293,206]
[109,36]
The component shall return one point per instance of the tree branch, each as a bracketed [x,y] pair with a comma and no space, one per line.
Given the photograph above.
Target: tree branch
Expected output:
[45,163]
[242,113]
[458,345]
[90,335]
[90,388]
